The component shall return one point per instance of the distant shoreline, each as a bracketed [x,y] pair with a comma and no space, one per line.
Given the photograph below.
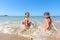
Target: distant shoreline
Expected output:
[3,15]
[23,16]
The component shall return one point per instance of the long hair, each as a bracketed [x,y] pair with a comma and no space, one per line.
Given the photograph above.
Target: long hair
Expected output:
[47,13]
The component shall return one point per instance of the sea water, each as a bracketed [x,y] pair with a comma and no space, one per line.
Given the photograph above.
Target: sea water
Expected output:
[13,25]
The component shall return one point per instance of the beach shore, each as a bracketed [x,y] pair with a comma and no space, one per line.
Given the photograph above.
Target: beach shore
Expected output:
[12,37]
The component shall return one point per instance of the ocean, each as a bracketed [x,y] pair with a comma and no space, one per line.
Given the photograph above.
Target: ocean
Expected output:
[12,25]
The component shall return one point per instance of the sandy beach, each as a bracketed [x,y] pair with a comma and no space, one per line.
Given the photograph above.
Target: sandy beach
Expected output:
[12,37]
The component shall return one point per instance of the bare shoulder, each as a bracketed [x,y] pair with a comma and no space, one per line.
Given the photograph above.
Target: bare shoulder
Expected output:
[26,19]
[46,20]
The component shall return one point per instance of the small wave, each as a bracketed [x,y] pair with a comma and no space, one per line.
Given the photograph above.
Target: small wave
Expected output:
[33,32]
[57,21]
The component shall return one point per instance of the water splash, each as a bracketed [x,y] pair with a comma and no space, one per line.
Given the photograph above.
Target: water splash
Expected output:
[33,32]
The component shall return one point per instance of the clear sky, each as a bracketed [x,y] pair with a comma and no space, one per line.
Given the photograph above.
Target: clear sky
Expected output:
[35,7]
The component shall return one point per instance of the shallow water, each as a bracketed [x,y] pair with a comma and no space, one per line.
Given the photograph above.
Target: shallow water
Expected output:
[12,25]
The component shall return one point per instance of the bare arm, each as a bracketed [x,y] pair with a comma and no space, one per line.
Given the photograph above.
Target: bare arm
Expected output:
[54,26]
[26,20]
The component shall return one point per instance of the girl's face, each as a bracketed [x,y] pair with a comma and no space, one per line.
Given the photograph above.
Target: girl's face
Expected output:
[46,16]
[27,15]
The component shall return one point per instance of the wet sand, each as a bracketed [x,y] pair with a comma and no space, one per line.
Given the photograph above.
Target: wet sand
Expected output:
[12,37]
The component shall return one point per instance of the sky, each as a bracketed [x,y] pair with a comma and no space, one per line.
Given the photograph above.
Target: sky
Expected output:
[34,7]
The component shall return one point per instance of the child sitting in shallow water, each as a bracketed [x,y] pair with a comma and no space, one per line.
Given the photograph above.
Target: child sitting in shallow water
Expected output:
[47,22]
[26,22]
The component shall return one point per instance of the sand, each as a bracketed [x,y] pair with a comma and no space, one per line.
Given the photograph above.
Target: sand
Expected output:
[12,37]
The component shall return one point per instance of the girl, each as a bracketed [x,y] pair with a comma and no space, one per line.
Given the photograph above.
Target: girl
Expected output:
[47,22]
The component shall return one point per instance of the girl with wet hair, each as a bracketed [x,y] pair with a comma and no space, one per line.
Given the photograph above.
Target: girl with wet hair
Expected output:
[48,21]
